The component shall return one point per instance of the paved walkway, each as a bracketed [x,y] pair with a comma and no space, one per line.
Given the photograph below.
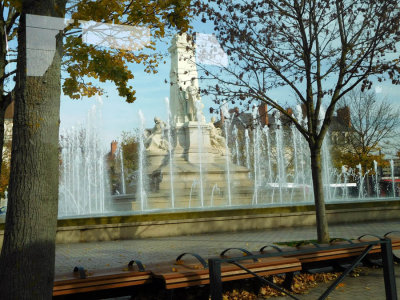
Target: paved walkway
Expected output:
[368,285]
[101,255]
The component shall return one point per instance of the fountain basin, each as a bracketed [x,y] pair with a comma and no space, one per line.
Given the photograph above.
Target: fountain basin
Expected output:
[159,223]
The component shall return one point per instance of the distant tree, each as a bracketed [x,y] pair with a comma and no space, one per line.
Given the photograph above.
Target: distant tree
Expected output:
[9,16]
[373,123]
[342,157]
[129,145]
[319,49]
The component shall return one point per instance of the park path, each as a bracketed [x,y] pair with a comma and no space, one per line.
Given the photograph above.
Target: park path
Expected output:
[102,255]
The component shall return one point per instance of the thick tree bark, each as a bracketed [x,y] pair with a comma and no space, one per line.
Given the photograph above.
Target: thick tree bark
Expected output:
[316,169]
[28,253]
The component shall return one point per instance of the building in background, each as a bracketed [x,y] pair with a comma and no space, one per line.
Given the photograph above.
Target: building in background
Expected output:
[5,170]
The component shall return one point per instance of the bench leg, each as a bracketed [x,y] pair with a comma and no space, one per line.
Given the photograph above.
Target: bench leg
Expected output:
[287,283]
[169,294]
[388,270]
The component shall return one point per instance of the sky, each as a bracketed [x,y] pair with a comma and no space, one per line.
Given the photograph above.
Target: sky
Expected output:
[118,116]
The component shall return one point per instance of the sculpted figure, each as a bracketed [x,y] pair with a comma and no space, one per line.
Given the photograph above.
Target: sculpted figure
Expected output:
[156,141]
[216,138]
[182,110]
[194,107]
[193,96]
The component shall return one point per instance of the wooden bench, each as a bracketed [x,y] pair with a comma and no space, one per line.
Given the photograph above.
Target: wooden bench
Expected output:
[82,281]
[194,270]
[320,256]
[355,250]
[184,274]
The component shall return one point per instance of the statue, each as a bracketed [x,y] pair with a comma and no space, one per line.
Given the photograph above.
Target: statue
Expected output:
[156,141]
[182,109]
[194,107]
[193,96]
[184,93]
[216,139]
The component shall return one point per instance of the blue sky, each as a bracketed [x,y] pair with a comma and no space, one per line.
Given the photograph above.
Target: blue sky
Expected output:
[119,116]
[151,90]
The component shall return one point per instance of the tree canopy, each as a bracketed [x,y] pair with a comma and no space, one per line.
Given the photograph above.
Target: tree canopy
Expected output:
[28,252]
[318,49]
[373,123]
[86,66]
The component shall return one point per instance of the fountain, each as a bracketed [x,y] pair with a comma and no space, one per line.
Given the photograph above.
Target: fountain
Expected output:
[183,161]
[186,178]
[121,158]
[141,191]
[227,152]
[186,153]
[84,186]
[280,156]
[345,173]
[198,106]
[377,190]
[191,192]
[236,139]
[392,177]
[215,188]
[171,172]
[256,155]
[247,139]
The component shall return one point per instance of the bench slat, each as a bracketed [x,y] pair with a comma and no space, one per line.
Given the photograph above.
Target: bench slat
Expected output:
[232,278]
[97,288]
[189,274]
[65,284]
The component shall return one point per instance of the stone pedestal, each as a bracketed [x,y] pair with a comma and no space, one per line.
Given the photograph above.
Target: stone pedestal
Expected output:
[155,160]
[195,163]
[197,143]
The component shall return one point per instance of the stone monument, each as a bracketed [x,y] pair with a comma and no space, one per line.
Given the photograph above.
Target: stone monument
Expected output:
[184,91]
[195,163]
[186,107]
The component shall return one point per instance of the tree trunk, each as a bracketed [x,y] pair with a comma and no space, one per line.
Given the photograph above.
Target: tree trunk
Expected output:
[28,254]
[322,223]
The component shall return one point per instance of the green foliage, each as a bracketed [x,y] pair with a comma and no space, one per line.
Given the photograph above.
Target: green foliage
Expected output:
[83,61]
[87,65]
[352,159]
[372,123]
[129,145]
